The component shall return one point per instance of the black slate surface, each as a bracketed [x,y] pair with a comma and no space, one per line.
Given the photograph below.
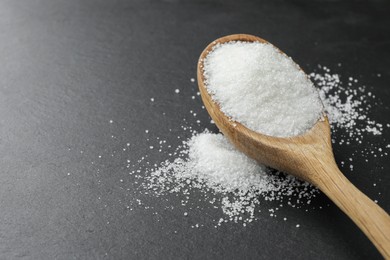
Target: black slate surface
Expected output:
[68,67]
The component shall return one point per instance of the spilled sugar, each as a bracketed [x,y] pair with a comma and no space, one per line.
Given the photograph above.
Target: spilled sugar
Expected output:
[208,162]
[346,107]
[258,86]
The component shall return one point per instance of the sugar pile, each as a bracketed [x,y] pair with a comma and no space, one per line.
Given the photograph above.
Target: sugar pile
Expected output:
[208,162]
[261,88]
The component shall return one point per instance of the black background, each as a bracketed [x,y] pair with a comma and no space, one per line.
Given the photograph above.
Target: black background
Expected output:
[68,67]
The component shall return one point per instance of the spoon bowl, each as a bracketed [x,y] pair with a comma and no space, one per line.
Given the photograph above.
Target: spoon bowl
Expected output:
[308,156]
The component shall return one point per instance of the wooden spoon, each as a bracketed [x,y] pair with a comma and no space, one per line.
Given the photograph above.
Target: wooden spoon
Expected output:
[308,157]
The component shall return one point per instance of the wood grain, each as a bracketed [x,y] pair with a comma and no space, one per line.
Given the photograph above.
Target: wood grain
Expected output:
[308,157]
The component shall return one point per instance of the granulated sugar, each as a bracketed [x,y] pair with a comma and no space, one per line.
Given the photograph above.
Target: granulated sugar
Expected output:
[346,107]
[207,182]
[237,185]
[208,162]
[261,88]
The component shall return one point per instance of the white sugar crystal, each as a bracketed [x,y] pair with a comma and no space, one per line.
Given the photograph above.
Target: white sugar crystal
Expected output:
[263,89]
[348,112]
[211,163]
[215,160]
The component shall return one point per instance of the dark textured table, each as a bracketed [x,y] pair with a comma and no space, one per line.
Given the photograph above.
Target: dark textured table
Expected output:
[68,67]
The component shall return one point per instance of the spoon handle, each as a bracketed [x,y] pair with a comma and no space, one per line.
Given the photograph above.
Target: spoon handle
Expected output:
[366,214]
